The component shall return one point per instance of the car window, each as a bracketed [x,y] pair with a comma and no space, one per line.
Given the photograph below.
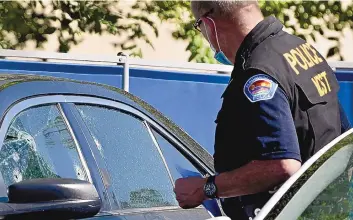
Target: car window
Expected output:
[38,144]
[325,190]
[134,168]
[178,165]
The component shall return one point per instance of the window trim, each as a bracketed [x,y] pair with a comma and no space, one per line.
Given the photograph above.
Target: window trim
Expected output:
[155,143]
[78,146]
[153,129]
[293,179]
[84,138]
[154,209]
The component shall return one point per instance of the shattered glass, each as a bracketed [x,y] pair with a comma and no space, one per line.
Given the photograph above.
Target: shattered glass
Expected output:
[39,145]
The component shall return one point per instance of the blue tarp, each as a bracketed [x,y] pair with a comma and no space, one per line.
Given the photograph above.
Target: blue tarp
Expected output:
[191,100]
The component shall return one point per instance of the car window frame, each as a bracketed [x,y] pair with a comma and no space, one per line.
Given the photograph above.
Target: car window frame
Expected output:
[150,124]
[183,154]
[149,121]
[270,209]
[95,152]
[87,140]
[64,102]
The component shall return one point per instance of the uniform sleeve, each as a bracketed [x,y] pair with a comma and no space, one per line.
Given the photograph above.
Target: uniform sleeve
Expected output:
[274,135]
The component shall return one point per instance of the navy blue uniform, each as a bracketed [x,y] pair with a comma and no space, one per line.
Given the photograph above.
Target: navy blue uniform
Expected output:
[281,103]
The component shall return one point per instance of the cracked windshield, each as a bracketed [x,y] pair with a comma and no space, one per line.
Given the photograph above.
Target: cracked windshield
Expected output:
[39,145]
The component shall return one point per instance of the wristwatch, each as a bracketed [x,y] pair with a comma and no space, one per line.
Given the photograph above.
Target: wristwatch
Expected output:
[210,188]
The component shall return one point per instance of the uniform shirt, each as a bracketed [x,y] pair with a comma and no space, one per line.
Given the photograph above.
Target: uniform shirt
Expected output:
[275,137]
[281,103]
[265,129]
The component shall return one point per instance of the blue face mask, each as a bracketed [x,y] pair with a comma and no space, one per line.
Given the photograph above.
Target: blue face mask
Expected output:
[219,56]
[222,58]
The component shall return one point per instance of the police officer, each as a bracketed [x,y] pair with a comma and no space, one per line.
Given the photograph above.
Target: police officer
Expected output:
[279,108]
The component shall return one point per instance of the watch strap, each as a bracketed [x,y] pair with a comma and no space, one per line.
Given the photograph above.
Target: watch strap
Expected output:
[211,180]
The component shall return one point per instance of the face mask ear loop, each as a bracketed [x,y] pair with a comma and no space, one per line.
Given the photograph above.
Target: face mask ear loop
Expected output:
[214,50]
[206,31]
[215,28]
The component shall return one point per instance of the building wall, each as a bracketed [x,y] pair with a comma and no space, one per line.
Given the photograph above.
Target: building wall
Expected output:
[169,49]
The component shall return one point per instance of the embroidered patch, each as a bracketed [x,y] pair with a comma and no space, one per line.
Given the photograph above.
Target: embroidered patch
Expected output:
[260,87]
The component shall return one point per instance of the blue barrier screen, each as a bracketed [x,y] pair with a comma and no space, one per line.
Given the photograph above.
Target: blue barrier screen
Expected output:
[191,100]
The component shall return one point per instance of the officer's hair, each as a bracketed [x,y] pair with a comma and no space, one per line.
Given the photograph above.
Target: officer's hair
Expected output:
[221,8]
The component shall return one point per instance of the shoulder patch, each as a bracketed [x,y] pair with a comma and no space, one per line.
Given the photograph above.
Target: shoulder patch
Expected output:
[260,87]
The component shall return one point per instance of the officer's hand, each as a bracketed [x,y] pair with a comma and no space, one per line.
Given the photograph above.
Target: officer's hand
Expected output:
[189,191]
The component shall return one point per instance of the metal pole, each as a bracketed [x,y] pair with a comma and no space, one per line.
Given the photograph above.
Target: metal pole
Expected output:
[123,59]
[126,81]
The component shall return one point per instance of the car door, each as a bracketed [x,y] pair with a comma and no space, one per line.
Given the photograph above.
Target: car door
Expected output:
[138,161]
[117,148]
[321,189]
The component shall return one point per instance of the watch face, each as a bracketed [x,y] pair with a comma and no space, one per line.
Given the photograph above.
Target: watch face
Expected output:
[210,189]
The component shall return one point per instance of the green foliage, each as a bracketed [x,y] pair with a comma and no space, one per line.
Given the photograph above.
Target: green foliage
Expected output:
[315,16]
[24,21]
[37,167]
[178,13]
[145,198]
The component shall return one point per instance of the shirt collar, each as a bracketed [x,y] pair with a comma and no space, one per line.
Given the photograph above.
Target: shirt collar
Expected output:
[264,29]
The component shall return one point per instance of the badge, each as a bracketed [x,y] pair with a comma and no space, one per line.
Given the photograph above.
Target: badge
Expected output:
[260,87]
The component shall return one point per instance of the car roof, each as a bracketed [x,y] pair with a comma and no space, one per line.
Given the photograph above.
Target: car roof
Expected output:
[16,87]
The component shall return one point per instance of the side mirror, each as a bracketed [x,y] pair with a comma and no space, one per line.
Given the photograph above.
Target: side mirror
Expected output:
[51,198]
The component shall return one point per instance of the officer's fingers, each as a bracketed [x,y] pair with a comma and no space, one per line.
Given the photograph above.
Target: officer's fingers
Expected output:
[178,181]
[177,185]
[180,191]
[179,199]
[180,196]
[187,206]
[182,200]
[183,205]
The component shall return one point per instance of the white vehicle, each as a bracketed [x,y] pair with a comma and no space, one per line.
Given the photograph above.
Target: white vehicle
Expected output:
[321,189]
